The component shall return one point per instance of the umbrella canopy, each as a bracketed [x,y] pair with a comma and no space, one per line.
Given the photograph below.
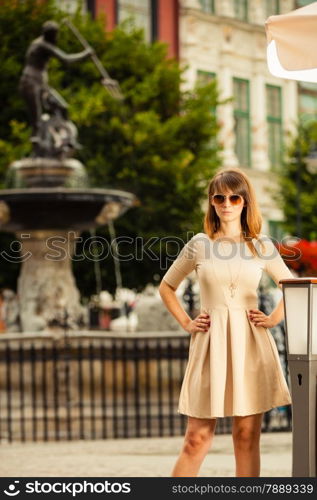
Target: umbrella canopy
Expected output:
[292,42]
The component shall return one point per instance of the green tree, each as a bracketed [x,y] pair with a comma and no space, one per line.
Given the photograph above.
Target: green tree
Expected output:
[160,143]
[298,183]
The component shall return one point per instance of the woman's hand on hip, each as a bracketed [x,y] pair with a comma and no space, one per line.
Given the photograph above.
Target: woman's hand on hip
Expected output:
[258,318]
[199,324]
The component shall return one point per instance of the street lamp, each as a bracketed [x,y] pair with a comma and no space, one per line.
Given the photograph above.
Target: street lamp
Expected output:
[300,304]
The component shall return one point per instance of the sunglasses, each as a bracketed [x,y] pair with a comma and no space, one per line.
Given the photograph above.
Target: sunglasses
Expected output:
[235,199]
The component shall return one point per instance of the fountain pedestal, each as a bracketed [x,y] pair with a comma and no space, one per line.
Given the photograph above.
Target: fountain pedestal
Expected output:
[47,206]
[46,285]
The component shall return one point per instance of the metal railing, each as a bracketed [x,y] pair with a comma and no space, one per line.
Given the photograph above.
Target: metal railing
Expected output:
[93,386]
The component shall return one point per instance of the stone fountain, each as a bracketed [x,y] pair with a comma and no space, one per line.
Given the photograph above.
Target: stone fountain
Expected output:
[47,201]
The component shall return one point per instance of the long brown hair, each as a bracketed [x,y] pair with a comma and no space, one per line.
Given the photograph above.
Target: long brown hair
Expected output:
[236,180]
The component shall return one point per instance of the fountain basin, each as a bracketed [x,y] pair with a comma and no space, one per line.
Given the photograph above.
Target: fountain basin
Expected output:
[61,208]
[46,172]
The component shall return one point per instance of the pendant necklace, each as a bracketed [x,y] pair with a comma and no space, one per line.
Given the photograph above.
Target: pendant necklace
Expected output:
[233,284]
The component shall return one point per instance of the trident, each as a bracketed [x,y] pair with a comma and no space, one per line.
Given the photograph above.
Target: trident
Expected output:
[111,85]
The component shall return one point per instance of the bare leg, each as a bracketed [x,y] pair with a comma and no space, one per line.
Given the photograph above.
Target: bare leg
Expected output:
[197,441]
[246,433]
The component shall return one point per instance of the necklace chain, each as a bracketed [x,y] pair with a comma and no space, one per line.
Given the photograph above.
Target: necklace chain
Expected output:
[233,284]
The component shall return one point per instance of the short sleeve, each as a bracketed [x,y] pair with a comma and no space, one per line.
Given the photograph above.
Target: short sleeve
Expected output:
[274,265]
[183,265]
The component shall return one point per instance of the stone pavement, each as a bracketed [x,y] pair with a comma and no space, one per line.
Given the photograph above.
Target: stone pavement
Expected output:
[151,457]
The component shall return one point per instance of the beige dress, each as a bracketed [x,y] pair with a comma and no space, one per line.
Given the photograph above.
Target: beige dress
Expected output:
[234,367]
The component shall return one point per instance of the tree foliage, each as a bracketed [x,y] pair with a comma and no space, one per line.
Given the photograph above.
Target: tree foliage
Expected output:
[160,143]
[298,181]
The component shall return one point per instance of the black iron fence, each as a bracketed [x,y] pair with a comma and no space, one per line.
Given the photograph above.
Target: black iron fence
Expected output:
[95,386]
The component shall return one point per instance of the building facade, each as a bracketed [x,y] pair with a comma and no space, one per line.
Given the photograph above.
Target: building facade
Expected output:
[226,39]
[158,18]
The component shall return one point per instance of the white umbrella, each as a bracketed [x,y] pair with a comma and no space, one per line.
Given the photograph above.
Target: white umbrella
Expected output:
[292,43]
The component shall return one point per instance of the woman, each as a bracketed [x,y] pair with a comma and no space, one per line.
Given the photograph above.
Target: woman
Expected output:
[233,367]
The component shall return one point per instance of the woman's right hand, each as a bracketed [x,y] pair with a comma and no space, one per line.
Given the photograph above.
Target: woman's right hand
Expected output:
[199,324]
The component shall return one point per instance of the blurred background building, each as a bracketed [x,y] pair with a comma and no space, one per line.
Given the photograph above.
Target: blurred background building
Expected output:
[225,39]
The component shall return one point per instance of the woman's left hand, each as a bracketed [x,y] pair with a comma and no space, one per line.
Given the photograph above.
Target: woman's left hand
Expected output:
[258,318]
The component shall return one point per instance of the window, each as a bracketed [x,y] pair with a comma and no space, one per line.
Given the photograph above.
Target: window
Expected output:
[272,7]
[302,3]
[274,124]
[204,77]
[276,230]
[143,13]
[307,97]
[208,6]
[241,9]
[70,6]
[91,7]
[242,121]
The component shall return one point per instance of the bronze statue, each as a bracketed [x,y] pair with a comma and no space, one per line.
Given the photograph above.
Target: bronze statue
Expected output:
[53,134]
[40,97]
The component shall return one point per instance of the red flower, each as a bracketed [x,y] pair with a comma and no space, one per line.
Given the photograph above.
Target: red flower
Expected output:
[301,256]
